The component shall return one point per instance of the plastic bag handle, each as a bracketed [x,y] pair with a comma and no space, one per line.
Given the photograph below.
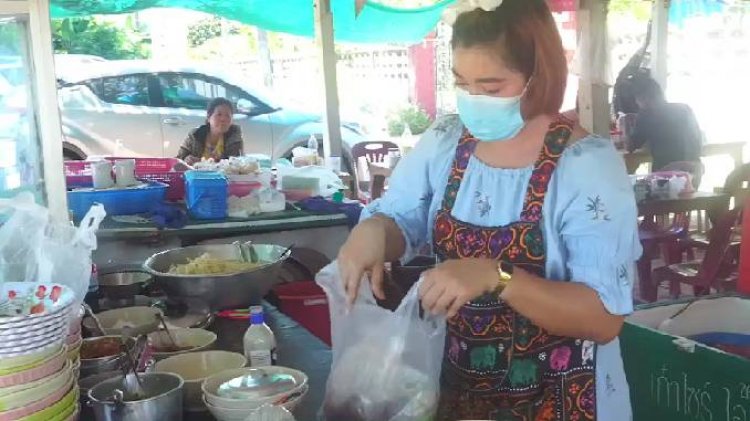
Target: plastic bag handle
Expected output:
[86,232]
[410,306]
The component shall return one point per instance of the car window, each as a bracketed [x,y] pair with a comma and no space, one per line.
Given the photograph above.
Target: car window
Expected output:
[126,90]
[196,91]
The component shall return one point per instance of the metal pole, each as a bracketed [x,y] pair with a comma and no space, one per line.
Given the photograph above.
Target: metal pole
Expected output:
[326,48]
[660,29]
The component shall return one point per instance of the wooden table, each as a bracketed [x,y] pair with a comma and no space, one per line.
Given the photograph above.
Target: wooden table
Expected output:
[715,204]
[634,159]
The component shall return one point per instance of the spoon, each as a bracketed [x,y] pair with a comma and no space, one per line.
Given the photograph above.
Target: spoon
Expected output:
[166,329]
[97,322]
[132,382]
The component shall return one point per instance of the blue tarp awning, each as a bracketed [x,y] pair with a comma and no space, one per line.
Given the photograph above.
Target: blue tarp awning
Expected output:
[376,23]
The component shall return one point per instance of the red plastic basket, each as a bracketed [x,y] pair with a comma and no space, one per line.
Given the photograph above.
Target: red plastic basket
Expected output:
[151,169]
[306,303]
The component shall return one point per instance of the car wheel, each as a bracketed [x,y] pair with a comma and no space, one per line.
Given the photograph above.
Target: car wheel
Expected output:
[72,153]
[69,155]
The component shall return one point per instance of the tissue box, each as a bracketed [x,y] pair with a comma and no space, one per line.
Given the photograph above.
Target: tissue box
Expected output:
[673,378]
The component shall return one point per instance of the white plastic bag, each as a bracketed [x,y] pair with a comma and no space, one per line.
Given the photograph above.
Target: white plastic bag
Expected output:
[34,248]
[386,365]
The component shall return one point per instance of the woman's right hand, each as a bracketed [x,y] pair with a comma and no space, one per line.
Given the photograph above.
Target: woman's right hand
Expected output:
[191,160]
[364,253]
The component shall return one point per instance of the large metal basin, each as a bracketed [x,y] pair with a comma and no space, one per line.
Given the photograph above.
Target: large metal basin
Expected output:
[217,292]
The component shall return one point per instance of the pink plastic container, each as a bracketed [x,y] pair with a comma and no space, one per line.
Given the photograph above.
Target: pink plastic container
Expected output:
[243,188]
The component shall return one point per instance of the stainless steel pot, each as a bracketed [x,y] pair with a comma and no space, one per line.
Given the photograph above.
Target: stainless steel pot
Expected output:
[218,292]
[122,285]
[92,366]
[163,401]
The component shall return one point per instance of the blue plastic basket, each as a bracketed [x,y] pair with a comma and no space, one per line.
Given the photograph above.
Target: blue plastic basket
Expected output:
[206,194]
[117,201]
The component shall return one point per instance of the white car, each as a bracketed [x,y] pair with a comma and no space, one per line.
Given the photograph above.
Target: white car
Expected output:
[145,108]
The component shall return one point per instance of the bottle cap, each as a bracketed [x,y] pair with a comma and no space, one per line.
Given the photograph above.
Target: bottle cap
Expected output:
[256,315]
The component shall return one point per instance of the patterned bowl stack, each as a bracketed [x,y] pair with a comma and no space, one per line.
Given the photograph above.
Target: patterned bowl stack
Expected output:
[37,382]
[74,340]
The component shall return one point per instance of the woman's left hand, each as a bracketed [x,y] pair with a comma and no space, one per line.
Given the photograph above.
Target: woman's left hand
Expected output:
[453,283]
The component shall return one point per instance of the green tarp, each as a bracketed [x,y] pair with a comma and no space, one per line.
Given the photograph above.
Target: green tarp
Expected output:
[375,24]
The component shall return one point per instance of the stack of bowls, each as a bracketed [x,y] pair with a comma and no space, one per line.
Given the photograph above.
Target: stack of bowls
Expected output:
[37,382]
[231,399]
[73,341]
[194,368]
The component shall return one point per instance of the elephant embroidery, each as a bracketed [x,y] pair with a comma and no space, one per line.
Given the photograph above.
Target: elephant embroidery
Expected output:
[483,358]
[523,373]
[587,352]
[454,350]
[560,358]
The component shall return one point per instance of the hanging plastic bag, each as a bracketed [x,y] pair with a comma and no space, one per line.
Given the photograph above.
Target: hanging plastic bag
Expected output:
[386,365]
[35,248]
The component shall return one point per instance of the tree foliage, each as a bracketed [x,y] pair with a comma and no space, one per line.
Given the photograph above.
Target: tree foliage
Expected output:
[210,28]
[91,36]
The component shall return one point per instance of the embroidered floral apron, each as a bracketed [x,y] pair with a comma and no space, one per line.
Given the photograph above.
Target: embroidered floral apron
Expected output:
[498,365]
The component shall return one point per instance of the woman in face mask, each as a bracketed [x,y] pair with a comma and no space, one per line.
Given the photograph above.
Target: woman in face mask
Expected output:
[533,223]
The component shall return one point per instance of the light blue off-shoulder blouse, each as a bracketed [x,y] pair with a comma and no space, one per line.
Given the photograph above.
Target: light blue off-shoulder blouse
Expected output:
[589,221]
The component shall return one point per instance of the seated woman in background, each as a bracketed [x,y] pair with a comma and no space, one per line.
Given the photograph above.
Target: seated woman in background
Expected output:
[670,131]
[218,138]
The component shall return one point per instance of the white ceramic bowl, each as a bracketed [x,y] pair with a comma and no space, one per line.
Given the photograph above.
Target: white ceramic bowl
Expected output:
[140,320]
[211,386]
[195,367]
[228,414]
[194,339]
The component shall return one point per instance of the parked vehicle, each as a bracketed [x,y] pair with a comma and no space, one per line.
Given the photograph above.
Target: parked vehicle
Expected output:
[146,108]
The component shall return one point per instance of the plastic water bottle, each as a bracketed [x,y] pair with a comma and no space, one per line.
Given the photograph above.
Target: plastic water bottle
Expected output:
[312,143]
[259,341]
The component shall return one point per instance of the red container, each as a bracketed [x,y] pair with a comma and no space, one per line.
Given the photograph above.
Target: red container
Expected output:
[151,169]
[243,188]
[307,304]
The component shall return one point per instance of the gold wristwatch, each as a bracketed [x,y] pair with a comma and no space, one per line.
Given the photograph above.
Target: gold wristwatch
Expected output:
[504,275]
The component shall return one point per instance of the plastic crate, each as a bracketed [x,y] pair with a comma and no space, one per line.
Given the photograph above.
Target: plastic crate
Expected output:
[206,194]
[306,303]
[117,201]
[149,169]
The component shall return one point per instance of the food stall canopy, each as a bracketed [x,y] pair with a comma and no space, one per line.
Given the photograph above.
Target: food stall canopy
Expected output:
[376,23]
[680,10]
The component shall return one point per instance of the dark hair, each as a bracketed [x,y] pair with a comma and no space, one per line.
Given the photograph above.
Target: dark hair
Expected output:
[219,102]
[525,35]
[647,89]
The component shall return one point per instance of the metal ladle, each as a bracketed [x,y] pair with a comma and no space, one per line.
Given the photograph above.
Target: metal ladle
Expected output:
[97,323]
[166,329]
[132,382]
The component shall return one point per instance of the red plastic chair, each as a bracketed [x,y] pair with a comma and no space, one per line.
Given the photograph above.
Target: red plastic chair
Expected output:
[717,270]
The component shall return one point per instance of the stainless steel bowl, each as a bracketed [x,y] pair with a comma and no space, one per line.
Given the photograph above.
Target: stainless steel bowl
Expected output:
[217,292]
[122,285]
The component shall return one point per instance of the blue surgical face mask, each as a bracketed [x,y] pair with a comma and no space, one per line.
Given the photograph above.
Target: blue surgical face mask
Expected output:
[490,118]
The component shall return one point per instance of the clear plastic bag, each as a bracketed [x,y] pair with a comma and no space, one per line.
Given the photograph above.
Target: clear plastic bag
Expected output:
[386,365]
[35,248]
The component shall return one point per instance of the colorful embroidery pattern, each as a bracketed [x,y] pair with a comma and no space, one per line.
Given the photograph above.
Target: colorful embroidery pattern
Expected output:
[498,364]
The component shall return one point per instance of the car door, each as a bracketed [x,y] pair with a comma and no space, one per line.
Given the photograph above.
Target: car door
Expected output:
[184,99]
[113,116]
